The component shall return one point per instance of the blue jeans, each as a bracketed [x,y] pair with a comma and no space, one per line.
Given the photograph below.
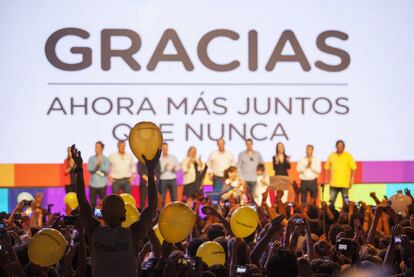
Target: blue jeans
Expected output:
[251,186]
[170,185]
[217,187]
[333,192]
[123,184]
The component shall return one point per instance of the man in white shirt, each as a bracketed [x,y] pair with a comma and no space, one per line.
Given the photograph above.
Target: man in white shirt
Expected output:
[309,169]
[123,169]
[168,177]
[218,162]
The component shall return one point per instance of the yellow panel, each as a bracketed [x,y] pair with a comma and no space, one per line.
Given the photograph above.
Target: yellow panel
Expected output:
[361,192]
[269,168]
[6,175]
[358,192]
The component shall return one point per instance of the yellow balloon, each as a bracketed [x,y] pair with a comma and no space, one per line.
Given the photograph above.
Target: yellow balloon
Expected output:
[176,221]
[71,200]
[132,215]
[128,199]
[244,221]
[156,229]
[211,253]
[145,138]
[47,247]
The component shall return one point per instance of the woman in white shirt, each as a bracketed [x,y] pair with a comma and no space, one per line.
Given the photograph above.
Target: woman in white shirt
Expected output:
[192,167]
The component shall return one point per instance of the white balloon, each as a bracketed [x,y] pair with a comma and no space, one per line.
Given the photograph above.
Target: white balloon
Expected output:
[24,196]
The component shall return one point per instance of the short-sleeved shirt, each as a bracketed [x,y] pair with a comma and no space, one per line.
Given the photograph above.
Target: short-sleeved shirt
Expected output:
[341,166]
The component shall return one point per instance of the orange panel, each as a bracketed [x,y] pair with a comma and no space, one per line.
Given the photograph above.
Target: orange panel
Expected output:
[37,175]
[6,175]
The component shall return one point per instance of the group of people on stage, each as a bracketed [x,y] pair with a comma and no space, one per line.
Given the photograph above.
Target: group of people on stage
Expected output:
[231,178]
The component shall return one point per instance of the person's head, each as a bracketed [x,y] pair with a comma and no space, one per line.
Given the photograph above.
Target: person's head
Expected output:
[192,152]
[260,169]
[193,246]
[334,230]
[215,230]
[304,268]
[121,146]
[309,150]
[113,210]
[328,267]
[99,147]
[220,144]
[249,144]
[340,146]
[69,152]
[231,173]
[322,248]
[283,263]
[315,263]
[242,251]
[165,148]
[280,148]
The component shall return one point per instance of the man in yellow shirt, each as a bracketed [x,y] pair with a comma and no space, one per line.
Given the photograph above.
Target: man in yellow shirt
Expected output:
[340,171]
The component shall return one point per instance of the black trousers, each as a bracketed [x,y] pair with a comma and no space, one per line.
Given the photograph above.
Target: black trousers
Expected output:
[93,192]
[308,186]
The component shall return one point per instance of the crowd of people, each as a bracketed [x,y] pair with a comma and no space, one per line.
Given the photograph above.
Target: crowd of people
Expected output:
[304,238]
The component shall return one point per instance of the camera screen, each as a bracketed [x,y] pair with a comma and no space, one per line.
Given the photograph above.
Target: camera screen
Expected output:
[241,270]
[98,213]
[299,221]
[342,246]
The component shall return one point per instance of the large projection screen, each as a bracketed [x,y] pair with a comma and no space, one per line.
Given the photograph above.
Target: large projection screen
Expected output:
[299,72]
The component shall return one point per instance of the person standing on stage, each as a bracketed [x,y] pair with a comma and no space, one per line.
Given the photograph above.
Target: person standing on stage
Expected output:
[69,172]
[143,181]
[340,171]
[281,161]
[192,167]
[98,167]
[217,163]
[309,169]
[281,165]
[122,169]
[247,165]
[168,177]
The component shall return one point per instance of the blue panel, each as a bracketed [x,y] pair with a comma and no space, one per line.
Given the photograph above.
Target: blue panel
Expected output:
[392,188]
[4,200]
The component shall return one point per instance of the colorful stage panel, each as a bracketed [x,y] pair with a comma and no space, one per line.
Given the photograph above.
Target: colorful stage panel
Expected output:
[388,172]
[7,175]
[37,175]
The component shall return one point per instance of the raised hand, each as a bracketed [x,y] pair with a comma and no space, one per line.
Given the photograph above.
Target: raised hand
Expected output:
[396,231]
[152,164]
[202,175]
[208,210]
[76,156]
